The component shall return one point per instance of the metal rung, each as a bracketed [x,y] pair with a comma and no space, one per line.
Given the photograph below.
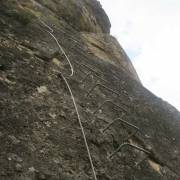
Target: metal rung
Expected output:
[87,75]
[105,87]
[93,74]
[127,144]
[111,102]
[88,67]
[122,121]
[80,69]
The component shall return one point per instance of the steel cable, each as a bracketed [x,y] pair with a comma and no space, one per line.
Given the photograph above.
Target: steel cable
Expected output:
[72,96]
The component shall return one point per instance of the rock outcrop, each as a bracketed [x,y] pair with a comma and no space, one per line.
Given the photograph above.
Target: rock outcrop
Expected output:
[39,131]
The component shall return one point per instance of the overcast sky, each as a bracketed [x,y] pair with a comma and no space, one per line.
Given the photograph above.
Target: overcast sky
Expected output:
[149,31]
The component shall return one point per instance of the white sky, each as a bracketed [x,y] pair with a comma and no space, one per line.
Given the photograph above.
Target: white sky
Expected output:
[149,31]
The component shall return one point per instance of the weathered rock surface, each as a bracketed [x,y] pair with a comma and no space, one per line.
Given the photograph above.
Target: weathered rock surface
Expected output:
[39,132]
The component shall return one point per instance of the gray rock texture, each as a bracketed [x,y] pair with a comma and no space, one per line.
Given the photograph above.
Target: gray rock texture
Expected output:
[39,130]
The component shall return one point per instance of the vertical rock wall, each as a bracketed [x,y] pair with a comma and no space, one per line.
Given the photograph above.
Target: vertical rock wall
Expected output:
[39,131]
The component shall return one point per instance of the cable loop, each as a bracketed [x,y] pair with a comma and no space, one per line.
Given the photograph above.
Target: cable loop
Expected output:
[51,31]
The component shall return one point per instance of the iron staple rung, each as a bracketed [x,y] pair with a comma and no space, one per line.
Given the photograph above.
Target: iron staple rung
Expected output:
[127,144]
[105,87]
[92,73]
[87,75]
[81,64]
[109,101]
[82,71]
[88,67]
[81,48]
[95,73]
[122,121]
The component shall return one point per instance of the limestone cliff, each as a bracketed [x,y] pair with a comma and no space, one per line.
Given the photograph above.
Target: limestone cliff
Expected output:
[132,134]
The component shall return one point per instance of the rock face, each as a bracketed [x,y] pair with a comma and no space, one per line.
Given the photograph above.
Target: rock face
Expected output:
[39,130]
